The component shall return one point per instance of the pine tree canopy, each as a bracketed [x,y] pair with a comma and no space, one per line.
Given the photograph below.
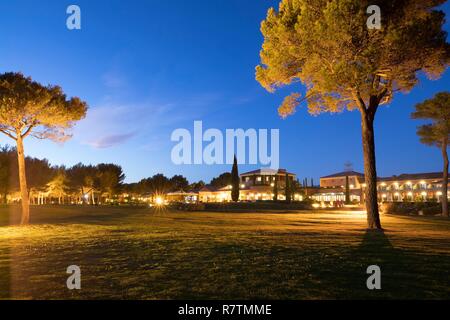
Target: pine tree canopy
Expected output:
[327,46]
[437,110]
[29,108]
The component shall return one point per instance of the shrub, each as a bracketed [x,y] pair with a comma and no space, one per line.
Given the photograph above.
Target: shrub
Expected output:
[188,206]
[412,208]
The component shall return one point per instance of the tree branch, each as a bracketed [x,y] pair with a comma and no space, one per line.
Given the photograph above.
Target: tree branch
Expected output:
[27,132]
[359,102]
[8,134]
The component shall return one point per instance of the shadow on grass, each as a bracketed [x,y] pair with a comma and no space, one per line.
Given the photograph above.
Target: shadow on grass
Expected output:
[404,274]
[340,273]
[396,271]
[5,274]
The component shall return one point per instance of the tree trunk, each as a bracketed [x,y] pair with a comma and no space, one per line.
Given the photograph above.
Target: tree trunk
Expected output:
[23,182]
[370,171]
[347,190]
[445,180]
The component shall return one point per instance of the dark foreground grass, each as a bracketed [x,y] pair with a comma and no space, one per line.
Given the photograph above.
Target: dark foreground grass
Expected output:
[129,253]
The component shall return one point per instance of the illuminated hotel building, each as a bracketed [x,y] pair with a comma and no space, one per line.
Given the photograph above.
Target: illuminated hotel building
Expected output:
[255,185]
[332,187]
[405,187]
[411,187]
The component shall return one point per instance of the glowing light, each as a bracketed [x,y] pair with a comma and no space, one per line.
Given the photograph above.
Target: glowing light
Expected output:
[242,186]
[159,201]
[439,193]
[316,206]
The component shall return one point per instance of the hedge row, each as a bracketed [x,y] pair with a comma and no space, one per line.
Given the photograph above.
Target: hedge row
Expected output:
[413,208]
[244,206]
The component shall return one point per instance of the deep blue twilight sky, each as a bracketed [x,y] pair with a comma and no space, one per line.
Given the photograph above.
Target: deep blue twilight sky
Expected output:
[149,67]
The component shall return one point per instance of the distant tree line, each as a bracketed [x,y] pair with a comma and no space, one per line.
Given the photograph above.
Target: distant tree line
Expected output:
[79,184]
[46,183]
[159,184]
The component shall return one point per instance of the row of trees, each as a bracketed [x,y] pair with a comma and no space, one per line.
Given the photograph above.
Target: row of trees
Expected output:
[88,184]
[80,183]
[159,184]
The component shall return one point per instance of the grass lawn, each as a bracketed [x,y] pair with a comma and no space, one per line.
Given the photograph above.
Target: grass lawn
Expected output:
[131,253]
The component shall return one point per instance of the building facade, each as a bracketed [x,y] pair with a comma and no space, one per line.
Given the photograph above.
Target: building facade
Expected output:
[405,187]
[333,187]
[257,185]
[411,187]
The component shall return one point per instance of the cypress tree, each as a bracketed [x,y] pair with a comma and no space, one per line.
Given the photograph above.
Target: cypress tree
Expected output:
[235,181]
[347,190]
[275,189]
[288,189]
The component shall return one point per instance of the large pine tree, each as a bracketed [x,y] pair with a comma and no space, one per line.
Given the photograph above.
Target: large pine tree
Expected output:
[437,133]
[327,46]
[28,108]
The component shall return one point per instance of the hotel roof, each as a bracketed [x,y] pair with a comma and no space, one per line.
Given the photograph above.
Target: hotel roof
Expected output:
[413,176]
[267,171]
[344,174]
[208,188]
